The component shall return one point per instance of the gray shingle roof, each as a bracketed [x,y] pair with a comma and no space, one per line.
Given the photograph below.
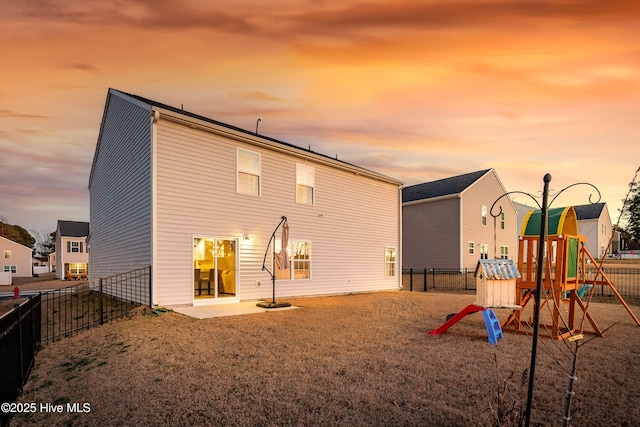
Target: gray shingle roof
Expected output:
[73,228]
[441,187]
[590,211]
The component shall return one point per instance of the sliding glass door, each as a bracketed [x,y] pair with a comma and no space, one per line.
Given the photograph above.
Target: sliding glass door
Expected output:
[214,268]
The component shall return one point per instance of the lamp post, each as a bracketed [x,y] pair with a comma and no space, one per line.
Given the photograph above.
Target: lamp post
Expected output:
[544,209]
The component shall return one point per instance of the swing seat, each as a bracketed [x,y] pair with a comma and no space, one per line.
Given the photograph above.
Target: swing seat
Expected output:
[580,292]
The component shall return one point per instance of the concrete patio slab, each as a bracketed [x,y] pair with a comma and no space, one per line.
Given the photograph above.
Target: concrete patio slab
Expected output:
[221,310]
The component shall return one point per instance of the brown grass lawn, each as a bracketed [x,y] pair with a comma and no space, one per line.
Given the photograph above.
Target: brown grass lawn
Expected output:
[363,360]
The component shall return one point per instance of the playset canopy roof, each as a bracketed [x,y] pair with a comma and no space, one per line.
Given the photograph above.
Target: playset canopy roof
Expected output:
[560,221]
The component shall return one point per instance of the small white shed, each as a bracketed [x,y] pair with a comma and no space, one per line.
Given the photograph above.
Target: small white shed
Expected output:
[496,282]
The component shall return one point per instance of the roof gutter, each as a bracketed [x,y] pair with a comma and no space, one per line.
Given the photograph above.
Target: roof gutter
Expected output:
[432,199]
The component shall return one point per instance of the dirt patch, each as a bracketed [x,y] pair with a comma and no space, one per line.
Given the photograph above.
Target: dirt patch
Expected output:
[364,359]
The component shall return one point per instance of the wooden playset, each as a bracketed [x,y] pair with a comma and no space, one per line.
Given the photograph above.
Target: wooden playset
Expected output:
[564,281]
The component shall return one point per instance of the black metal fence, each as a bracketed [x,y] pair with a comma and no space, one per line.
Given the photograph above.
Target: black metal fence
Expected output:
[68,310]
[51,315]
[451,279]
[20,336]
[626,280]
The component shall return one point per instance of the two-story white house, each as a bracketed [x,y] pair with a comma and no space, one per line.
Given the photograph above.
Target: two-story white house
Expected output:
[198,201]
[71,256]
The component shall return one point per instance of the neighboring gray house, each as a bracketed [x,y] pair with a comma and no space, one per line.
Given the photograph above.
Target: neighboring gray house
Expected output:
[72,256]
[198,200]
[594,222]
[447,223]
[16,260]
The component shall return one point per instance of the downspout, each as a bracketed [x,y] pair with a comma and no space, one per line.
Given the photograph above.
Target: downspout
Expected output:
[463,249]
[155,117]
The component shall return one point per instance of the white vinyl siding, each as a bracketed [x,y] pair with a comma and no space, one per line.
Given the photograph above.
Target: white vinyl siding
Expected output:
[120,191]
[199,198]
[16,257]
[483,193]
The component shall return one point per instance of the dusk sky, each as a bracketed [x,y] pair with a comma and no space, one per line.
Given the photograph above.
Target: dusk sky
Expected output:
[417,90]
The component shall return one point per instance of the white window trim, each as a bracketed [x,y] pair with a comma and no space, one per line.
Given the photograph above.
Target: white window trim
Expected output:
[10,268]
[484,251]
[7,254]
[238,171]
[483,213]
[300,166]
[471,248]
[502,254]
[277,246]
[394,262]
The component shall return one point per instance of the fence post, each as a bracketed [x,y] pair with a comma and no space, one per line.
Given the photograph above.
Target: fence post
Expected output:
[20,343]
[101,308]
[411,279]
[424,279]
[433,278]
[150,289]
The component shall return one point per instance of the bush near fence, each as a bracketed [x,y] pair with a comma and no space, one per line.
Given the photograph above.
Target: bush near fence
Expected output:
[626,280]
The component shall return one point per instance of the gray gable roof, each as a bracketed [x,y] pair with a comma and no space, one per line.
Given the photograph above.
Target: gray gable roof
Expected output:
[590,211]
[73,228]
[441,187]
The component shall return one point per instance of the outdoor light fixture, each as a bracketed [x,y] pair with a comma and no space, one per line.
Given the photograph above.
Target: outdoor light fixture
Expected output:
[246,237]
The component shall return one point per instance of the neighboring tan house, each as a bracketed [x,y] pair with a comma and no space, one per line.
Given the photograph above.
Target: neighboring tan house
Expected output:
[52,262]
[594,222]
[71,250]
[448,224]
[198,201]
[16,258]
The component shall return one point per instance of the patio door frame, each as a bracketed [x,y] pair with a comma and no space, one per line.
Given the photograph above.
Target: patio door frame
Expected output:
[216,299]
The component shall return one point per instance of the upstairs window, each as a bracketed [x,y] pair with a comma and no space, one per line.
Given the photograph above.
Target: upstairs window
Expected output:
[305,183]
[484,215]
[248,167]
[471,248]
[74,246]
[484,251]
[7,254]
[502,220]
[504,252]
